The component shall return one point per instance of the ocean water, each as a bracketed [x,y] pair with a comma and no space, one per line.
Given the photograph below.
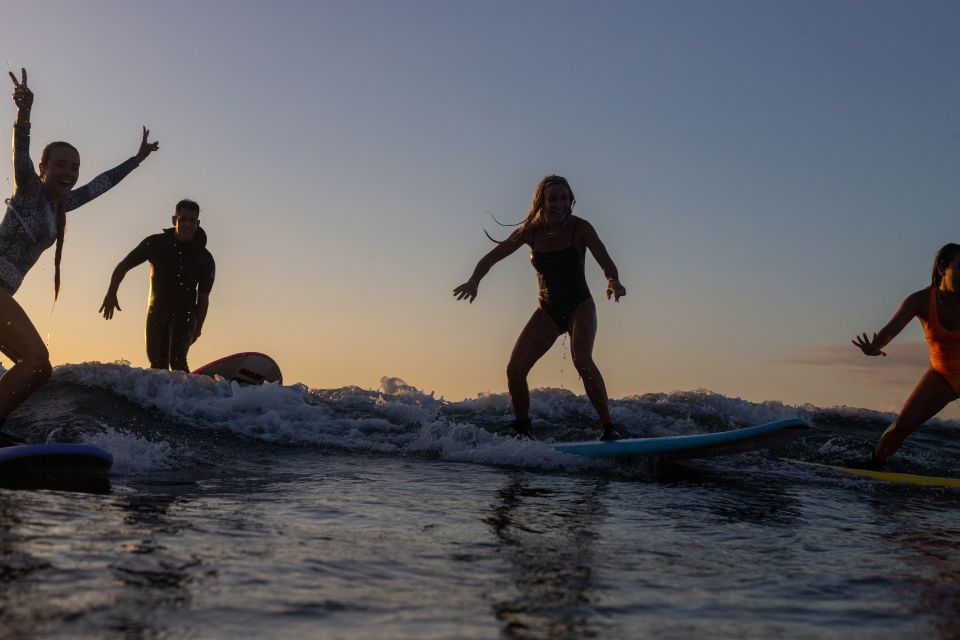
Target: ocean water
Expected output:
[290,512]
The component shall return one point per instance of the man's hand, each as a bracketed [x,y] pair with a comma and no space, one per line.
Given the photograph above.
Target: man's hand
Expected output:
[110,303]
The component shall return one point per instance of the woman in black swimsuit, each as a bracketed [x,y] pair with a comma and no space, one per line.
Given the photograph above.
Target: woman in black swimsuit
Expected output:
[558,243]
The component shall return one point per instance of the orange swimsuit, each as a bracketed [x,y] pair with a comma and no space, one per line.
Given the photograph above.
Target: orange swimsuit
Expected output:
[944,346]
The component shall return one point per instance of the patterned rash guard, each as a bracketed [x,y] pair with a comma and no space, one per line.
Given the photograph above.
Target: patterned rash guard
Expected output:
[29,226]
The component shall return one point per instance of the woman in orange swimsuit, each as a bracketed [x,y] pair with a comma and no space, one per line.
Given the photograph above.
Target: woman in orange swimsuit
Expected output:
[938,308]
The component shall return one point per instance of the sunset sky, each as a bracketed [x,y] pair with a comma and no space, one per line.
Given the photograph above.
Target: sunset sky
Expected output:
[770,178]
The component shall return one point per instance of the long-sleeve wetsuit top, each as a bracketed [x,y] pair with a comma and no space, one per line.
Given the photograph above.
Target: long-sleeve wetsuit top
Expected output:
[29,226]
[178,270]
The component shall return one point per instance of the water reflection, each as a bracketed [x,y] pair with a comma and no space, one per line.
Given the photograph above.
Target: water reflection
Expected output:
[547,539]
[98,484]
[16,568]
[153,579]
[921,540]
[736,497]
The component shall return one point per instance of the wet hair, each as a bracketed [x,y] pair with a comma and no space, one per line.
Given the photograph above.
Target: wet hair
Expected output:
[189,205]
[53,146]
[61,215]
[538,204]
[945,256]
[536,217]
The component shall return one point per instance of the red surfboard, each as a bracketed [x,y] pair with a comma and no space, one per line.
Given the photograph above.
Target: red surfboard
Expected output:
[249,367]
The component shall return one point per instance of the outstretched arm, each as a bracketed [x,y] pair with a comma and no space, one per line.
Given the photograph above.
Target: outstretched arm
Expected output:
[599,251]
[109,179]
[910,308]
[136,257]
[468,289]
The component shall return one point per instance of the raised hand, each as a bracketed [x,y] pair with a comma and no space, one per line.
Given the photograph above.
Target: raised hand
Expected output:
[146,148]
[615,290]
[22,96]
[869,347]
[467,290]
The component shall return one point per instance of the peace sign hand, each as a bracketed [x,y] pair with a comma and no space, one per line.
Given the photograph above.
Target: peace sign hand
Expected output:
[22,96]
[146,148]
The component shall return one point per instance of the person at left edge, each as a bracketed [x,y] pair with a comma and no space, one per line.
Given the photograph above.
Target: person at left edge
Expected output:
[181,278]
[36,218]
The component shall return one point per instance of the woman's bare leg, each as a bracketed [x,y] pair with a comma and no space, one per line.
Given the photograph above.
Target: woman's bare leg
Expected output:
[537,337]
[20,342]
[583,332]
[928,398]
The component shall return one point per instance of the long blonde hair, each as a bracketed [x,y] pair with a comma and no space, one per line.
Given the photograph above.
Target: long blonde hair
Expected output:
[536,216]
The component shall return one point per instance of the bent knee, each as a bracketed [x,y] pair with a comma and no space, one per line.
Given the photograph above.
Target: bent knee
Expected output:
[38,364]
[517,371]
[43,371]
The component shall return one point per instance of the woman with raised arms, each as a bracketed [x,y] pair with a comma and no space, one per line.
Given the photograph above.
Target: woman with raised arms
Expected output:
[938,308]
[34,220]
[558,242]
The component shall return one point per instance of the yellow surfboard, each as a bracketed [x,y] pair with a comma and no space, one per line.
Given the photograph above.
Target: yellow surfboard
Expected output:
[886,476]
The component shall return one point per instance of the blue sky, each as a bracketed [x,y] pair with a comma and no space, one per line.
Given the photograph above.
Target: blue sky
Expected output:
[770,178]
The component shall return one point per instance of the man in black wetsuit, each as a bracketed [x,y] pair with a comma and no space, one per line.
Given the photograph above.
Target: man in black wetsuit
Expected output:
[181,278]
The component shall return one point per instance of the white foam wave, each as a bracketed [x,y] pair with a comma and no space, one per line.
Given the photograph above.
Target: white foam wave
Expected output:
[467,443]
[133,454]
[400,419]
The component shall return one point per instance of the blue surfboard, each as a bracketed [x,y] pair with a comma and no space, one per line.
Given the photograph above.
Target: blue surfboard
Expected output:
[702,445]
[54,459]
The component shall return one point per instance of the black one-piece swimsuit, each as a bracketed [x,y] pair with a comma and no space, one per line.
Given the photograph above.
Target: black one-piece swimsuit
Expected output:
[561,280]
